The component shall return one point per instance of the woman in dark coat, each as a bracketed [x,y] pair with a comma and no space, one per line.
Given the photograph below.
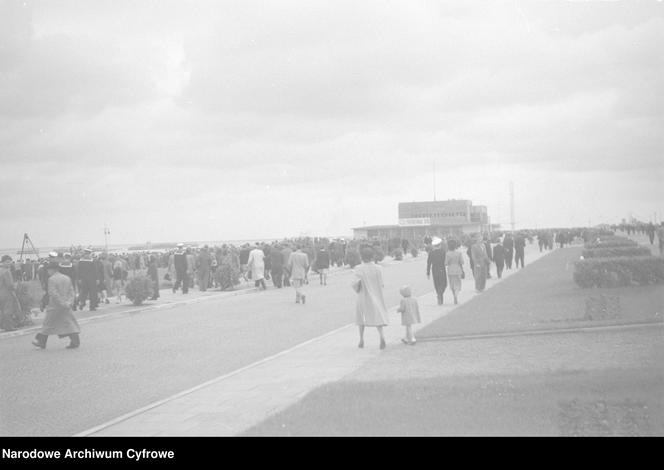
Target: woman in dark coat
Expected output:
[153,274]
[436,266]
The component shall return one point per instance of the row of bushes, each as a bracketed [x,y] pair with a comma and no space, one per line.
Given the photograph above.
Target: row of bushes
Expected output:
[619,271]
[611,242]
[616,251]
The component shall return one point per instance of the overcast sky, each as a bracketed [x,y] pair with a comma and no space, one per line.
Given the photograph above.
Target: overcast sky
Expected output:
[224,120]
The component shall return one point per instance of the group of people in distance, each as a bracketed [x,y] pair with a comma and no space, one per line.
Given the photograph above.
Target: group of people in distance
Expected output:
[446,263]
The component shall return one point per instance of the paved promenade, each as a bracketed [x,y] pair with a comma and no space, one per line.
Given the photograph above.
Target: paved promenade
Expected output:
[232,403]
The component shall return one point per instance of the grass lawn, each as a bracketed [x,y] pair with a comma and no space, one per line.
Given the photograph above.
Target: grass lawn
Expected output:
[591,403]
[544,295]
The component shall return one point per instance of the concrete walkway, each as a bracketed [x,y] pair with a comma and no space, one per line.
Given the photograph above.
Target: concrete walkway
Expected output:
[230,404]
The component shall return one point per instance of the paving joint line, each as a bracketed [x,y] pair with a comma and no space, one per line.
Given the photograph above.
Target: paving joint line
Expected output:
[550,331]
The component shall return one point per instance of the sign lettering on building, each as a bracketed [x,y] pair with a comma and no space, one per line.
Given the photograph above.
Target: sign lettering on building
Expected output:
[415,221]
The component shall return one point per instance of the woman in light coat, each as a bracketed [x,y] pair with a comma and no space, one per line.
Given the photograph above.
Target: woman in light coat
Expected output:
[454,263]
[370,307]
[256,264]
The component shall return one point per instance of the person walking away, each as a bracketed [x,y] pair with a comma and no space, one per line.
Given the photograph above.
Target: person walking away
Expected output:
[410,314]
[650,229]
[7,296]
[107,268]
[256,265]
[298,264]
[370,307]
[204,266]
[660,238]
[499,258]
[59,318]
[323,265]
[180,266]
[508,244]
[519,247]
[489,253]
[285,253]
[436,265]
[277,266]
[244,260]
[560,239]
[88,276]
[454,264]
[67,268]
[480,262]
[191,267]
[153,274]
[118,282]
[101,281]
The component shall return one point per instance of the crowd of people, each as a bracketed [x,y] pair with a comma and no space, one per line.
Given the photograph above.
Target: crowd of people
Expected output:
[85,279]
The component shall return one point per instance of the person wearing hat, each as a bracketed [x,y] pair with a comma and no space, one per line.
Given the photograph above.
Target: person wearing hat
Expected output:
[7,295]
[88,276]
[67,268]
[480,261]
[60,318]
[436,266]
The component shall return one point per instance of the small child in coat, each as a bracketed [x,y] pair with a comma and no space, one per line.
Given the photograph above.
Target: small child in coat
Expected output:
[410,314]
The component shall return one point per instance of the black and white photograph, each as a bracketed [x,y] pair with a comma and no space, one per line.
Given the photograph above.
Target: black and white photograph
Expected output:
[329,218]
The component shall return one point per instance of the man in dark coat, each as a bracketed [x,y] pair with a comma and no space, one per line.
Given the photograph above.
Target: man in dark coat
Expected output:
[276,261]
[508,244]
[436,266]
[322,265]
[499,258]
[153,274]
[88,277]
[181,273]
[519,247]
[650,229]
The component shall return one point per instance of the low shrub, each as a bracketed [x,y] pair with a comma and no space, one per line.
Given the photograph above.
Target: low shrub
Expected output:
[616,251]
[378,254]
[620,271]
[397,254]
[612,243]
[138,289]
[415,252]
[227,276]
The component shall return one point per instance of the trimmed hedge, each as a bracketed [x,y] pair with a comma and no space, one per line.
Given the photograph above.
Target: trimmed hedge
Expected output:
[616,251]
[611,243]
[621,271]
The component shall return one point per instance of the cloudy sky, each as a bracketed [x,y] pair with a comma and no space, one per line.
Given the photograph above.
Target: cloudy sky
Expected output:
[195,120]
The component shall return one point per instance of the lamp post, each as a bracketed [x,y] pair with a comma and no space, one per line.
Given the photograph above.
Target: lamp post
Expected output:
[107,232]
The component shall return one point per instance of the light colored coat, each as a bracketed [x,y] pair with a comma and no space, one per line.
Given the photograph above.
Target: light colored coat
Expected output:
[60,319]
[454,263]
[370,307]
[256,264]
[298,263]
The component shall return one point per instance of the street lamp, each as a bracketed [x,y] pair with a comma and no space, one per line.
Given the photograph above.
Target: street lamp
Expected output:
[107,232]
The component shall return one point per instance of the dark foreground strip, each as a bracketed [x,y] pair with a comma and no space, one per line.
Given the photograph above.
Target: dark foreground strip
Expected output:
[552,331]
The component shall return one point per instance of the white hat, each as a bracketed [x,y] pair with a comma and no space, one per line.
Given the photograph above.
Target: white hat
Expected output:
[436,241]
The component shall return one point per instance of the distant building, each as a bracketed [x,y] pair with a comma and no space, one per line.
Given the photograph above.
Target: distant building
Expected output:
[433,218]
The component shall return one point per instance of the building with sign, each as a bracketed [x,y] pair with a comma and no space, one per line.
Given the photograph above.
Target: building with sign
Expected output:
[432,218]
